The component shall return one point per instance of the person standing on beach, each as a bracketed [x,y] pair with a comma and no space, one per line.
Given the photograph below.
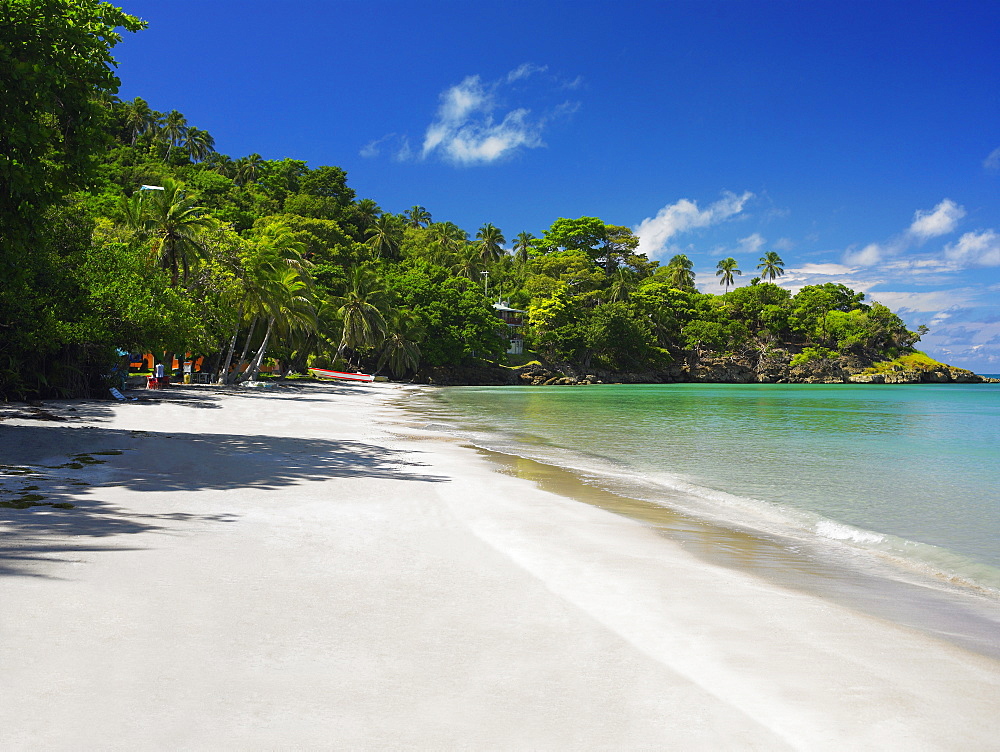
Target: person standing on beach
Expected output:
[159,373]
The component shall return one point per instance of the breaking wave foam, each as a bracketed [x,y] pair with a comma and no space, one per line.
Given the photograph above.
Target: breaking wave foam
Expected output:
[837,531]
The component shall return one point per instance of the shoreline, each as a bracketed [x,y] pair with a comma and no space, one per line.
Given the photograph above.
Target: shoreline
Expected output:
[964,615]
[960,612]
[295,566]
[691,491]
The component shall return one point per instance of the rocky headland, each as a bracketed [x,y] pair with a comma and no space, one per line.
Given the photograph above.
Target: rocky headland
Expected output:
[779,367]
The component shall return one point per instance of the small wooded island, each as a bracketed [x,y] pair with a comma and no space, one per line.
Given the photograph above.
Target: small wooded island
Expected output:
[125,231]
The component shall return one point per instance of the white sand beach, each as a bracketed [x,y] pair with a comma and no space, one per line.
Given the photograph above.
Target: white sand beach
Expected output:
[302,569]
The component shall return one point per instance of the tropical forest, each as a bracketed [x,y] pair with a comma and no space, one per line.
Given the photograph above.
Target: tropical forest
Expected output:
[125,229]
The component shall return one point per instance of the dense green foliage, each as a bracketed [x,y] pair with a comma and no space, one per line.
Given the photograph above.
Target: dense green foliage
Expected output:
[124,229]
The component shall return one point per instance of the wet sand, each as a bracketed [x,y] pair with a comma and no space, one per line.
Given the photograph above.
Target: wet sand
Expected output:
[298,568]
[963,616]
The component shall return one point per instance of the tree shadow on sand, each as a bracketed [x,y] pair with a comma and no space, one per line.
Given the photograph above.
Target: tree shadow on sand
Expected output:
[68,465]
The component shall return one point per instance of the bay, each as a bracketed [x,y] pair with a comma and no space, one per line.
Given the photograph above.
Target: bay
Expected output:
[908,471]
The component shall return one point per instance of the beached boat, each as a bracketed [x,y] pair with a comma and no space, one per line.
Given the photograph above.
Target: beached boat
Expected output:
[325,374]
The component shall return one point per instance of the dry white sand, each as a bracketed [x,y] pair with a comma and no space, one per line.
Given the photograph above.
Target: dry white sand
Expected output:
[293,570]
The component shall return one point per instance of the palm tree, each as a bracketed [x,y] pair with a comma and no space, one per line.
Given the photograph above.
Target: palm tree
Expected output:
[174,127]
[222,164]
[276,289]
[417,216]
[448,236]
[469,264]
[360,310]
[679,272]
[199,144]
[522,246]
[175,224]
[446,240]
[726,269]
[367,212]
[287,306]
[279,243]
[139,117]
[623,281]
[385,237]
[401,348]
[490,242]
[231,350]
[771,266]
[247,169]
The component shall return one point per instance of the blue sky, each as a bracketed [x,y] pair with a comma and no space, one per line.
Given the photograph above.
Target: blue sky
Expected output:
[859,140]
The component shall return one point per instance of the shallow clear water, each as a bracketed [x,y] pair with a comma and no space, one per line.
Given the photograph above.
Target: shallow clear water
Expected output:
[912,471]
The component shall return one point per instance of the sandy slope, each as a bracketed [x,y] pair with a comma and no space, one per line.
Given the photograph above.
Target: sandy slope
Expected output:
[295,570]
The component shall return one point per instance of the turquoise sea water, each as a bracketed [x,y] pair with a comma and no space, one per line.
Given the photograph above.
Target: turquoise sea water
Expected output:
[908,472]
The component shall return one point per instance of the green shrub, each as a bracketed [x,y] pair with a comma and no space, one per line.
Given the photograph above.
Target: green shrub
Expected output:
[810,354]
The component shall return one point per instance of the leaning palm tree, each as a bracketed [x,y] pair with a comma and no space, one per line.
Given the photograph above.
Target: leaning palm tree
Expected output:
[360,311]
[279,244]
[725,270]
[417,216]
[276,288]
[490,242]
[679,272]
[385,237]
[175,225]
[287,305]
[522,246]
[771,266]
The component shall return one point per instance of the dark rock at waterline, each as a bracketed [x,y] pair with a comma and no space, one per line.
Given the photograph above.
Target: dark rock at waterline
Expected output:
[692,367]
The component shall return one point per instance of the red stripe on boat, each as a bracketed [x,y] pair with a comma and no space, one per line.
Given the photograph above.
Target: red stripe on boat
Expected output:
[341,375]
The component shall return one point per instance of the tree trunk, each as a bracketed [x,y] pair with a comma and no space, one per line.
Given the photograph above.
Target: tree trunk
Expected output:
[246,351]
[168,365]
[216,361]
[224,379]
[254,369]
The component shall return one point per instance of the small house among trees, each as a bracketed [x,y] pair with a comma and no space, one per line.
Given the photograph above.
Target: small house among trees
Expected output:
[514,319]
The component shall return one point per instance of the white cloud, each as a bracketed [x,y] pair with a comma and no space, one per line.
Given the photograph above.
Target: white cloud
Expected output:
[940,221]
[919,265]
[751,243]
[833,270]
[784,244]
[374,148]
[975,249]
[939,318]
[393,143]
[655,232]
[870,255]
[524,70]
[469,130]
[992,162]
[403,151]
[934,301]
